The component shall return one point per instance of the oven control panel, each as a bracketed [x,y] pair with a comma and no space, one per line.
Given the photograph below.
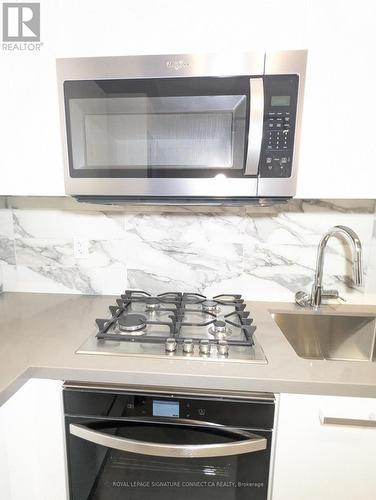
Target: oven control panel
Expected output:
[280,101]
[118,404]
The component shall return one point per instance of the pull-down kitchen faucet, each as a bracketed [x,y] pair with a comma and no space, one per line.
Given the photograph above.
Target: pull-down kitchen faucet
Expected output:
[318,293]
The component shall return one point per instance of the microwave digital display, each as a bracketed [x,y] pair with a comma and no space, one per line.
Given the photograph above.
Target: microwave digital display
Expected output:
[165,408]
[280,100]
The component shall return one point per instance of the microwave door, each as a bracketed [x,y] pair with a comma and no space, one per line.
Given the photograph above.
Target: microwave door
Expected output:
[167,129]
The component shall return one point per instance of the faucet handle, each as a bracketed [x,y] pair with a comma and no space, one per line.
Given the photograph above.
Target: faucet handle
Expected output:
[303,299]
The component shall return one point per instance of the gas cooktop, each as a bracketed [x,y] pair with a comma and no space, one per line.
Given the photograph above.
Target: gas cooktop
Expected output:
[178,325]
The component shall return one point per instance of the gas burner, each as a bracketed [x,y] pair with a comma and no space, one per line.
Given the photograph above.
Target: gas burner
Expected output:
[220,330]
[152,304]
[177,324]
[132,324]
[210,306]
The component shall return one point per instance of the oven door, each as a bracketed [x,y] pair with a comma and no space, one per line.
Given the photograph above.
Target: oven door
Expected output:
[175,459]
[195,136]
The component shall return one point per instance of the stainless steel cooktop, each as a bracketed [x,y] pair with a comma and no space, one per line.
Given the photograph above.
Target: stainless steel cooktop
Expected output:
[177,325]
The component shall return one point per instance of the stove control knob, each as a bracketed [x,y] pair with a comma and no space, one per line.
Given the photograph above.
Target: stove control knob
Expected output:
[170,345]
[222,347]
[204,346]
[187,346]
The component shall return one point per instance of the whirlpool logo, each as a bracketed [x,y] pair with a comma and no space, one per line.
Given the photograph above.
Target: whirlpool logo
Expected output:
[177,65]
[21,27]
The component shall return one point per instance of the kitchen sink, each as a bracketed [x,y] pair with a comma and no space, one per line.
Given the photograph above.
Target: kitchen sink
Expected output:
[329,336]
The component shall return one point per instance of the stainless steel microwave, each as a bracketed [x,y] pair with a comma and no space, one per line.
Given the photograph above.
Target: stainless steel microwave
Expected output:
[182,128]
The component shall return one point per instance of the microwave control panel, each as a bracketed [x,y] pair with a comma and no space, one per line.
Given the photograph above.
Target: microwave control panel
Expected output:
[280,102]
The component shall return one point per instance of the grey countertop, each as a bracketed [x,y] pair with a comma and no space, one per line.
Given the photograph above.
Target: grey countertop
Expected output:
[39,334]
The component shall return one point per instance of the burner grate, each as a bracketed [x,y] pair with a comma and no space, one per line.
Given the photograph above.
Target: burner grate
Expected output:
[174,306]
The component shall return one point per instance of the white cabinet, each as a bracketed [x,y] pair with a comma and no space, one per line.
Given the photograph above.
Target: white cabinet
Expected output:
[338,143]
[31,152]
[321,461]
[32,463]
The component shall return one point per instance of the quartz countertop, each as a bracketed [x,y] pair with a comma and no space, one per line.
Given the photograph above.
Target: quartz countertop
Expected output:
[39,334]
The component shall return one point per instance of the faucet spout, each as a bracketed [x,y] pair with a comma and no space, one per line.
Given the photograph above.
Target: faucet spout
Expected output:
[317,289]
[356,247]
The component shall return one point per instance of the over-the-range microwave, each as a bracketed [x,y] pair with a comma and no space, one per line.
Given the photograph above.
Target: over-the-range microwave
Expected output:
[182,128]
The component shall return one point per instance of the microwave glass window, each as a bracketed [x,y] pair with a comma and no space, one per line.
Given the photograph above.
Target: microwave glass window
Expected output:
[172,133]
[280,100]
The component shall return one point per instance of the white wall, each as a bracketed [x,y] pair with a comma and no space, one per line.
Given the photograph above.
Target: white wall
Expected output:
[341,78]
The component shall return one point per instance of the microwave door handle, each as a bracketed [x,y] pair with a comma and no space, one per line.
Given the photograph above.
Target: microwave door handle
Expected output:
[255,443]
[256,124]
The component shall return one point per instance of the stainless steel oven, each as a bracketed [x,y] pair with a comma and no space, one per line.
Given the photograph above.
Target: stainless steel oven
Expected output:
[182,127]
[144,444]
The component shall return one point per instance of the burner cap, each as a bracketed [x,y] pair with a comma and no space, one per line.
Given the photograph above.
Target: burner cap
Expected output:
[220,329]
[132,323]
[219,326]
[210,306]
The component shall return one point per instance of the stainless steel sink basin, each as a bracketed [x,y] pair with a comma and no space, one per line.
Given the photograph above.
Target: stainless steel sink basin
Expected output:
[327,336]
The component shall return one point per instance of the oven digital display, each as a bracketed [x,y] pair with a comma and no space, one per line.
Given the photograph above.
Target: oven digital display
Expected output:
[280,100]
[165,408]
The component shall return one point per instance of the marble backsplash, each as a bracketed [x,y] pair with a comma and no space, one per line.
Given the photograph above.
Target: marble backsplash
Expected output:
[264,253]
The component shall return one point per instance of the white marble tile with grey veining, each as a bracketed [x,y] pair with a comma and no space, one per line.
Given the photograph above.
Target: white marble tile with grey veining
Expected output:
[184,265]
[102,271]
[291,268]
[7,252]
[50,279]
[189,227]
[35,252]
[38,252]
[6,223]
[66,224]
[265,253]
[304,222]
[7,274]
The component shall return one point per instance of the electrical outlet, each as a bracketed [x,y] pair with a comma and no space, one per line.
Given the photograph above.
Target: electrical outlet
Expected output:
[81,248]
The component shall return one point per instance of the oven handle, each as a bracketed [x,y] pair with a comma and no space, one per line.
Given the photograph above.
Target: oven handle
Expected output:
[253,444]
[256,125]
